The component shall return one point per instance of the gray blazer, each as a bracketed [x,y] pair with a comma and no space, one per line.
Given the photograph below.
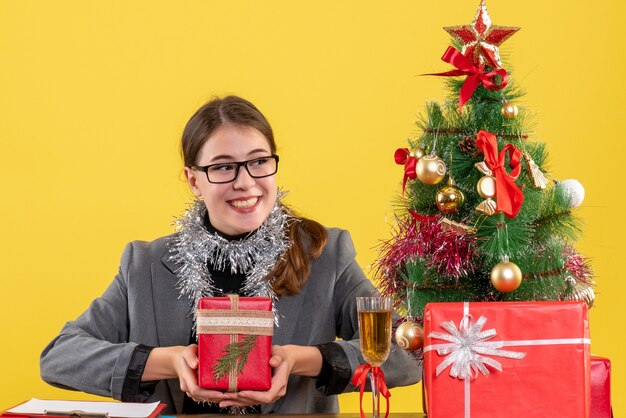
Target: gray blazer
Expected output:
[142,306]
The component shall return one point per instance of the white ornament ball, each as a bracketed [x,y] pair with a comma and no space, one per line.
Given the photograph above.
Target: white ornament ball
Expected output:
[574,190]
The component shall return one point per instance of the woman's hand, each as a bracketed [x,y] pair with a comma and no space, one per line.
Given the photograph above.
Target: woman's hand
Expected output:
[186,365]
[281,365]
[285,360]
[179,362]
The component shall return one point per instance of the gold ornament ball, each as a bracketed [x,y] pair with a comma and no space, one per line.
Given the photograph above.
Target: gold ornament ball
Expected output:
[450,199]
[509,111]
[506,276]
[417,153]
[486,187]
[583,292]
[430,169]
[410,336]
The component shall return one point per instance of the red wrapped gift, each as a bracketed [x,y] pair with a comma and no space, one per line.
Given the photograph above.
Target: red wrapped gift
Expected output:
[234,343]
[508,359]
[600,387]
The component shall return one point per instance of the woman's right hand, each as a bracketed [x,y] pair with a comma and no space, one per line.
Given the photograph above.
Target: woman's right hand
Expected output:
[179,362]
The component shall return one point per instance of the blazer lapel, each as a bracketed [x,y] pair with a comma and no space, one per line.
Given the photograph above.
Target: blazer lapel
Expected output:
[172,311]
[172,314]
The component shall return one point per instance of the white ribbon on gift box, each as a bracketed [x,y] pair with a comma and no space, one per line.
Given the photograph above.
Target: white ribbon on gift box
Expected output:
[468,346]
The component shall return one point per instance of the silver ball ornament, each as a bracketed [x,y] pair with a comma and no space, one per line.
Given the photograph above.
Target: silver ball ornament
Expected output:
[574,190]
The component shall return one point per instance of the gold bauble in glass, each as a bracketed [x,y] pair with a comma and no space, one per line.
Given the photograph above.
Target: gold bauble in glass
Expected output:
[430,169]
[506,276]
[450,199]
[509,110]
[410,336]
[486,187]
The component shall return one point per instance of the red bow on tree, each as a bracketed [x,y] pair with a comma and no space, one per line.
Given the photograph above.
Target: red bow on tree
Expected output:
[475,75]
[509,197]
[403,156]
[359,379]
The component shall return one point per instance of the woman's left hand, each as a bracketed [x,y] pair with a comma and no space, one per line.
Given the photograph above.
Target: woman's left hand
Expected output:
[285,360]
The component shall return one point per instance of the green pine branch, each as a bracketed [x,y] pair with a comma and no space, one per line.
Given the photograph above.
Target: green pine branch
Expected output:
[425,284]
[555,218]
[235,356]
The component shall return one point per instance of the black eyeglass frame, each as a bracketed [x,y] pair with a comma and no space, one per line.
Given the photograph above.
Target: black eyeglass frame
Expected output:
[205,168]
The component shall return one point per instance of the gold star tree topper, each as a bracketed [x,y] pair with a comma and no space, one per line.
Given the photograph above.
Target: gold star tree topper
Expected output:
[481,39]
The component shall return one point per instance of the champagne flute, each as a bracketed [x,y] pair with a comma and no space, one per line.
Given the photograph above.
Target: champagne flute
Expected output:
[375,339]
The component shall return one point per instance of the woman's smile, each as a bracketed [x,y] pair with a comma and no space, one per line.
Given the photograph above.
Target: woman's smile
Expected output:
[244,203]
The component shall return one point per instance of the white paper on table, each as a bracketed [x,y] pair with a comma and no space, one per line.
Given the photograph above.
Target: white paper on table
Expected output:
[114,409]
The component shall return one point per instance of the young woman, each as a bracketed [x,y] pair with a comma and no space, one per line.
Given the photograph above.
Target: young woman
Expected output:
[135,342]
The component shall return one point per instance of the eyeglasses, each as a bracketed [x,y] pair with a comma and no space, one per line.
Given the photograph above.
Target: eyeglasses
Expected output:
[227,172]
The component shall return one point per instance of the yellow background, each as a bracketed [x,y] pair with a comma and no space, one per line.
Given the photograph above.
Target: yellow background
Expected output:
[94,96]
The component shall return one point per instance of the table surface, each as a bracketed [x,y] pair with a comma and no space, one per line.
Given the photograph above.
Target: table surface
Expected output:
[356,415]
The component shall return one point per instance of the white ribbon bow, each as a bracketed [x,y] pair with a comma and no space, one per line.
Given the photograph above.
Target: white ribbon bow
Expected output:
[467,344]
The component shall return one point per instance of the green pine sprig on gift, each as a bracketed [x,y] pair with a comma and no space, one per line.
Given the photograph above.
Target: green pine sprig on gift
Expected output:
[235,357]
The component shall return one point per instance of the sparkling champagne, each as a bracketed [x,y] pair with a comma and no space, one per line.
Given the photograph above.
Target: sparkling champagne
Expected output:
[375,329]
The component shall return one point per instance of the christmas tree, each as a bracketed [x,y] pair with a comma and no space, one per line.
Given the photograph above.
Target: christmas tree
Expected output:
[480,218]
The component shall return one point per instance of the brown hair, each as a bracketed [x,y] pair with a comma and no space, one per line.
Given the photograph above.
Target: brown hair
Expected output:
[308,237]
[231,110]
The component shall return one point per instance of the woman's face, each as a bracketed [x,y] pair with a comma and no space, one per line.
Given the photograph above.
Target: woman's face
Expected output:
[242,205]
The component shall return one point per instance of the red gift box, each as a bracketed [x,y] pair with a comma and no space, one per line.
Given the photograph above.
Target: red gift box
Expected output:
[600,388]
[513,359]
[237,325]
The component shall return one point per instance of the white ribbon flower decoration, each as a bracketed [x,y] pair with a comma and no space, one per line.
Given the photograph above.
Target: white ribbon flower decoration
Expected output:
[467,344]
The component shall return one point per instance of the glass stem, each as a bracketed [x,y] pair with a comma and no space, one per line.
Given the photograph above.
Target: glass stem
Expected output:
[375,396]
